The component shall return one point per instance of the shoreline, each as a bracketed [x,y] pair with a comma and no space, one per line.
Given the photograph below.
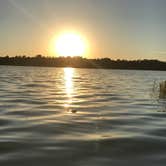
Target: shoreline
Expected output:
[79,62]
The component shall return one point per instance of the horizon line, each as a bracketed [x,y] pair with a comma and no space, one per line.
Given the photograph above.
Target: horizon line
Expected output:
[82,57]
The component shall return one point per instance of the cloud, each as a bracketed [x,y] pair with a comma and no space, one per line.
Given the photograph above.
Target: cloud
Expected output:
[24,11]
[159,52]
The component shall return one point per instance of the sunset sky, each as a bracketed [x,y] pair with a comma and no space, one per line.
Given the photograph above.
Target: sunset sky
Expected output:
[125,29]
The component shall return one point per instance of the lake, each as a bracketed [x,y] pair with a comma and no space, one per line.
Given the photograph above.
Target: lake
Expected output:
[81,117]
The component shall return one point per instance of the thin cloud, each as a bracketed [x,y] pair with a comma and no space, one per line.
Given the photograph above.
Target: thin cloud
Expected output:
[28,14]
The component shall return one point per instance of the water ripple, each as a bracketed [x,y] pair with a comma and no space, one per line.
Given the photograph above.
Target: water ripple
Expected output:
[80,117]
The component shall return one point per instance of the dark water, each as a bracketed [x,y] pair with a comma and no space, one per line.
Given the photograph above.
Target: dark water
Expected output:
[81,117]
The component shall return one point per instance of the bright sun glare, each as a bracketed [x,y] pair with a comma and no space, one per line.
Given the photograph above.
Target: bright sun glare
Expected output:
[70,44]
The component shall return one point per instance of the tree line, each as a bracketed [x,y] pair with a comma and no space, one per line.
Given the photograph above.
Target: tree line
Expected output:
[79,62]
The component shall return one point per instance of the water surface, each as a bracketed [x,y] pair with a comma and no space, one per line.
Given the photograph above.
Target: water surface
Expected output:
[81,117]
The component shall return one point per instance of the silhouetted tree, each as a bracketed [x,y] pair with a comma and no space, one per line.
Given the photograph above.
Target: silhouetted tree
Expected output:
[79,62]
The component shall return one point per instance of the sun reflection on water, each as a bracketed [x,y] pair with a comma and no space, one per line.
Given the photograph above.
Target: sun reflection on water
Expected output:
[69,87]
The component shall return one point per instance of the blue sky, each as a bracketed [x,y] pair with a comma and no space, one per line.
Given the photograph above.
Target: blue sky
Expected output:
[125,29]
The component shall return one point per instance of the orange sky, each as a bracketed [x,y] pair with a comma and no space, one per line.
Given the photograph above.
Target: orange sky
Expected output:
[125,29]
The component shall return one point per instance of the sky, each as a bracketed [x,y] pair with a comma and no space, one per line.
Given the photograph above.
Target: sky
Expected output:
[118,29]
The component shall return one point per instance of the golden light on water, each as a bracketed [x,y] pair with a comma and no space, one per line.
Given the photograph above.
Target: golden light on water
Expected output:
[68,78]
[68,75]
[69,44]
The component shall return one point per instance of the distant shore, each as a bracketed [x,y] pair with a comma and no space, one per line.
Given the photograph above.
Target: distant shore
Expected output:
[79,62]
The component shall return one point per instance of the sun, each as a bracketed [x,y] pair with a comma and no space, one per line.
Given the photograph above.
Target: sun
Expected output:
[70,44]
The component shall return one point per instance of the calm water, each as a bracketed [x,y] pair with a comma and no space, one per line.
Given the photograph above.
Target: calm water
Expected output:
[81,117]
